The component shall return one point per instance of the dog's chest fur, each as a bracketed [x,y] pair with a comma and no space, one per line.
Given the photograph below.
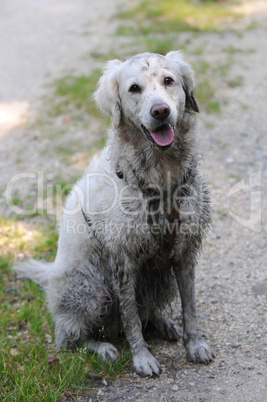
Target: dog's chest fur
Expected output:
[152,226]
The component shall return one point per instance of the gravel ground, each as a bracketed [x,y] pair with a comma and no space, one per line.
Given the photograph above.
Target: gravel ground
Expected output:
[232,274]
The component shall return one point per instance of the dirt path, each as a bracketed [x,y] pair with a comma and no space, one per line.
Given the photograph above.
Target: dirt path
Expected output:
[40,42]
[232,275]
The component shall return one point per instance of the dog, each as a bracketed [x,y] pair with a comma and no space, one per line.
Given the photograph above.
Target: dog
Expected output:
[133,225]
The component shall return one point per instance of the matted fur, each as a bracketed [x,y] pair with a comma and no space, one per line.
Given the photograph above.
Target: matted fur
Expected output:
[136,202]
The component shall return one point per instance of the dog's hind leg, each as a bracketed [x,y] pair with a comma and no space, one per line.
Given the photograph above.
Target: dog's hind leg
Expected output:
[70,334]
[79,302]
[166,328]
[69,330]
[197,349]
[104,349]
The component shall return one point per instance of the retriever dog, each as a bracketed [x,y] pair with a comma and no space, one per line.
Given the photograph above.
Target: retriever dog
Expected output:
[133,225]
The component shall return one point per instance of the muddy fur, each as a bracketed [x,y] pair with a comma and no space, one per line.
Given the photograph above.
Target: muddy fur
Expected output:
[133,225]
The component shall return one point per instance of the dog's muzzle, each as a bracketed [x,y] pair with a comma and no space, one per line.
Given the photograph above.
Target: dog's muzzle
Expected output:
[162,136]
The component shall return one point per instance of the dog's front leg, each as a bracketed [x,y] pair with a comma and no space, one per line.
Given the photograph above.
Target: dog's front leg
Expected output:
[144,363]
[197,350]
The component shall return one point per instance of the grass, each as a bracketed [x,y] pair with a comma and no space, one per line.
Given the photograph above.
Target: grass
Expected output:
[21,237]
[222,212]
[73,152]
[161,45]
[235,82]
[205,94]
[31,377]
[231,49]
[223,68]
[76,91]
[176,16]
[27,371]
[73,96]
[35,371]
[72,101]
[201,67]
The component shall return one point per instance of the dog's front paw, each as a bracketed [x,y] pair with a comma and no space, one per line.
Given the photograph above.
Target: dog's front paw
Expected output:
[198,351]
[145,364]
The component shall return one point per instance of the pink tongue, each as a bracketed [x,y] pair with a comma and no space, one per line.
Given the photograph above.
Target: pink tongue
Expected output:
[163,136]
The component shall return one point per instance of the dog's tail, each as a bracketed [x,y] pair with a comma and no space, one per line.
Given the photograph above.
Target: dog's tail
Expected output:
[38,271]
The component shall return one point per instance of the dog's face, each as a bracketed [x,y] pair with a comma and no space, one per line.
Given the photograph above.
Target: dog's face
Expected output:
[149,90]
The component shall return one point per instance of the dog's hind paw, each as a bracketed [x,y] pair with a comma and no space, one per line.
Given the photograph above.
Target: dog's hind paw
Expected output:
[145,363]
[199,352]
[169,330]
[104,349]
[166,328]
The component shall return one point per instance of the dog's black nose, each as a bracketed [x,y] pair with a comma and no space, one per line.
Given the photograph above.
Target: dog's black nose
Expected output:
[160,111]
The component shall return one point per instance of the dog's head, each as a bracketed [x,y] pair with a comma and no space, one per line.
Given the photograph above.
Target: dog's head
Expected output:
[151,91]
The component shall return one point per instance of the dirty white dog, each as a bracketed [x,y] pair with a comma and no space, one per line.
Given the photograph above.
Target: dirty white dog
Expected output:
[133,225]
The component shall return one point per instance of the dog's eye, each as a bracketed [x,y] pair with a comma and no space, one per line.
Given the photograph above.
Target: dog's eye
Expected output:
[168,81]
[135,88]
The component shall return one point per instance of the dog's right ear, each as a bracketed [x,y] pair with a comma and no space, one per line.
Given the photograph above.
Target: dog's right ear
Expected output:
[107,93]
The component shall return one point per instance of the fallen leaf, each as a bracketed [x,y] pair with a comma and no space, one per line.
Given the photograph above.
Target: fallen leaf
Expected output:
[14,352]
[52,359]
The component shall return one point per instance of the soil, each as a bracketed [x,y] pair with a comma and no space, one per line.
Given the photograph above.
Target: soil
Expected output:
[232,274]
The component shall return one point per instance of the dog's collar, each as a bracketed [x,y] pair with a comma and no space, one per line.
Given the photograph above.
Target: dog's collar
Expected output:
[119,172]
[86,218]
[140,182]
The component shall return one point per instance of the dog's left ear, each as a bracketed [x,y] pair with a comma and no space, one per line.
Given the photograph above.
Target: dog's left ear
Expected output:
[187,75]
[107,93]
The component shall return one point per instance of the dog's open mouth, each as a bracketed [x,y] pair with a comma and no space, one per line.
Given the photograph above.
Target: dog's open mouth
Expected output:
[163,136]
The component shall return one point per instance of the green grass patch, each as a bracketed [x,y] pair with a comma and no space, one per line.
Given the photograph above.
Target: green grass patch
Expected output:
[236,81]
[222,212]
[35,371]
[73,152]
[223,68]
[231,50]
[201,67]
[161,44]
[177,16]
[205,94]
[75,92]
[21,237]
